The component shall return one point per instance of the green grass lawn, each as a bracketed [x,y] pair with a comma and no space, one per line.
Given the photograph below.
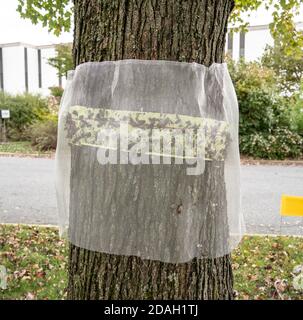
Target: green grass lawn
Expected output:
[35,259]
[20,147]
[36,263]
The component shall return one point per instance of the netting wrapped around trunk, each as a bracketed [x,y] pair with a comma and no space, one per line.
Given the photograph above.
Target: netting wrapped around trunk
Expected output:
[147,161]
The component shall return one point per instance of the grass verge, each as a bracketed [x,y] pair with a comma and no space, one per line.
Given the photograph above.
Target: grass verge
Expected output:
[20,148]
[36,263]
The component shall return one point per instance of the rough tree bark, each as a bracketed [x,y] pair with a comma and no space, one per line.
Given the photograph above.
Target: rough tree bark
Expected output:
[179,30]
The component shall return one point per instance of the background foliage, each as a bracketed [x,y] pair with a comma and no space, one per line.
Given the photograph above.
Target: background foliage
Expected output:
[63,61]
[55,15]
[297,110]
[25,110]
[31,120]
[43,134]
[270,123]
[288,68]
[282,28]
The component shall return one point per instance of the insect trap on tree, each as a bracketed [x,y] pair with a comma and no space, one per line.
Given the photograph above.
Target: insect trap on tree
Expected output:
[147,162]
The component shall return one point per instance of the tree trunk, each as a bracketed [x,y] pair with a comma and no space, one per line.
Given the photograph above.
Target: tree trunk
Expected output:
[179,30]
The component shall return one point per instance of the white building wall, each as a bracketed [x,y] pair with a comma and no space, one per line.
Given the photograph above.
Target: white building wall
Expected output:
[255,43]
[13,69]
[32,63]
[49,74]
[13,60]
[236,46]
[256,40]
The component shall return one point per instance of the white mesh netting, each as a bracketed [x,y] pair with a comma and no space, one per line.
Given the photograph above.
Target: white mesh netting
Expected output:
[147,161]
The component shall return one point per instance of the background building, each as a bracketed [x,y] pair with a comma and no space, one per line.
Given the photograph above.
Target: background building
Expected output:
[25,68]
[250,45]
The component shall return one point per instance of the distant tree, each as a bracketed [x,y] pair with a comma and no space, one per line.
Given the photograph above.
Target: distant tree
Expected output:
[288,68]
[63,61]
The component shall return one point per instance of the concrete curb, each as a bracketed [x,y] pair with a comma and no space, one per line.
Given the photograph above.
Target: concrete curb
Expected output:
[274,235]
[27,155]
[30,225]
[255,162]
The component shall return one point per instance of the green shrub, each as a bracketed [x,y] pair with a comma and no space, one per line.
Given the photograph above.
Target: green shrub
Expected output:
[297,111]
[56,91]
[25,110]
[280,144]
[256,112]
[261,111]
[43,134]
[297,117]
[260,104]
[267,126]
[251,75]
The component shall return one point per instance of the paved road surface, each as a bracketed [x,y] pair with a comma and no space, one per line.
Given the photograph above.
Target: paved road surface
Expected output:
[27,191]
[27,194]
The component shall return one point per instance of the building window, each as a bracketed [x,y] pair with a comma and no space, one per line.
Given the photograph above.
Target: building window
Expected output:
[1,70]
[26,69]
[230,43]
[39,69]
[242,45]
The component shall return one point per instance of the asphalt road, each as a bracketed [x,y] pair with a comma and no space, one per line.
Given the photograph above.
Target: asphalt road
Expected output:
[27,194]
